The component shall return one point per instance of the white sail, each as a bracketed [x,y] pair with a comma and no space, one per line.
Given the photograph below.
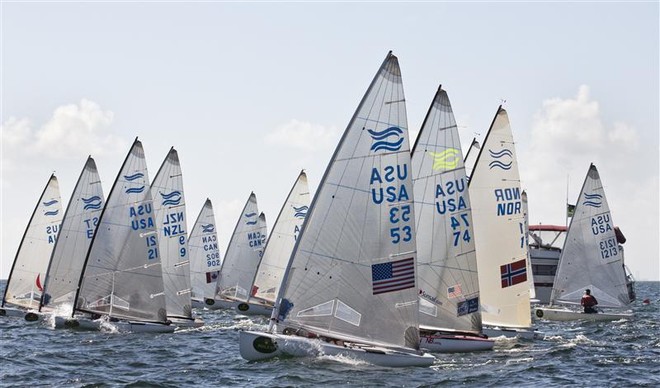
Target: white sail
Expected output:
[205,262]
[123,275]
[530,273]
[281,241]
[446,258]
[352,273]
[243,253]
[591,257]
[78,226]
[499,229]
[25,282]
[170,214]
[471,157]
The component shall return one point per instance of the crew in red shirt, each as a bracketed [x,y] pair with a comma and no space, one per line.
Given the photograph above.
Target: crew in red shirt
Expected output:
[588,301]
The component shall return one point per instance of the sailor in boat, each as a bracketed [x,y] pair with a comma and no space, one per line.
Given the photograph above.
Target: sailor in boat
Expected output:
[589,302]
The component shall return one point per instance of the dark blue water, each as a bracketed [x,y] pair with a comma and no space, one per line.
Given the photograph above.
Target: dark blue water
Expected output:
[607,354]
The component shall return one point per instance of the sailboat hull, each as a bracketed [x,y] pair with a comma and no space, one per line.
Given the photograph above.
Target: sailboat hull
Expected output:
[217,304]
[454,343]
[249,308]
[256,346]
[507,332]
[83,323]
[27,315]
[183,322]
[553,314]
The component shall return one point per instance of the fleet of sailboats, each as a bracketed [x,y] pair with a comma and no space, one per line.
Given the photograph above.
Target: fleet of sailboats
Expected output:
[400,252]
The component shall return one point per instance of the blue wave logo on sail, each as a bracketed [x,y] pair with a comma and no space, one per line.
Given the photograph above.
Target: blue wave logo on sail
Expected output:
[593,200]
[208,228]
[92,203]
[250,215]
[382,139]
[133,177]
[171,199]
[445,160]
[301,212]
[50,203]
[135,190]
[503,154]
[52,213]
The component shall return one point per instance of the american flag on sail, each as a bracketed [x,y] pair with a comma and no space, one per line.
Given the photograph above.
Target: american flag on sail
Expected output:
[513,273]
[454,291]
[393,276]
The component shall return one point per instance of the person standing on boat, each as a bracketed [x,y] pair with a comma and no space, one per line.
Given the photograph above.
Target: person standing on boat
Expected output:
[589,301]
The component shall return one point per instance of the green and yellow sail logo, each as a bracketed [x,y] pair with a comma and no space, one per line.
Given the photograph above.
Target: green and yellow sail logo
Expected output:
[445,160]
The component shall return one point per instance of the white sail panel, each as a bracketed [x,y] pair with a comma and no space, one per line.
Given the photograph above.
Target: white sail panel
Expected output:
[205,261]
[25,282]
[446,258]
[78,226]
[170,214]
[499,227]
[243,253]
[352,274]
[281,241]
[123,275]
[591,257]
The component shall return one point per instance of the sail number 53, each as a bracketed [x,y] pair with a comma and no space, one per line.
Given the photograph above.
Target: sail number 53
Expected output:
[400,215]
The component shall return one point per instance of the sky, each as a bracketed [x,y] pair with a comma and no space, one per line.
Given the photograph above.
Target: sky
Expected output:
[250,93]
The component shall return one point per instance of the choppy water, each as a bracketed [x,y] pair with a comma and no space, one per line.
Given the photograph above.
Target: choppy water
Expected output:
[616,354]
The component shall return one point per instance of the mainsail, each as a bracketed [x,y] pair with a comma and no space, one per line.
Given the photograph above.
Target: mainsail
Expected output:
[170,214]
[243,253]
[281,241]
[205,262]
[591,257]
[499,227]
[446,258]
[352,273]
[78,226]
[25,282]
[123,275]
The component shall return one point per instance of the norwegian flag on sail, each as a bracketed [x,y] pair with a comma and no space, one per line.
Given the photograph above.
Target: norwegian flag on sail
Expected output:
[393,276]
[513,273]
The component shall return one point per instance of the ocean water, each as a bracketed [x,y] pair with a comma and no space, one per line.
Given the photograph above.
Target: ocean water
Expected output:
[606,354]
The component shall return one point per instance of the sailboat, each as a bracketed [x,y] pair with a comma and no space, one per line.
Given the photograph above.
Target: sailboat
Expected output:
[590,259]
[350,286]
[24,285]
[170,215]
[530,273]
[242,258]
[205,261]
[122,278]
[450,320]
[277,252]
[78,225]
[499,228]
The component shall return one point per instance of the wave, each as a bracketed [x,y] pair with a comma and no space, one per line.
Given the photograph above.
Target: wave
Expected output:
[135,190]
[592,203]
[50,203]
[396,131]
[387,145]
[207,228]
[170,195]
[500,154]
[51,213]
[248,215]
[500,165]
[91,199]
[133,177]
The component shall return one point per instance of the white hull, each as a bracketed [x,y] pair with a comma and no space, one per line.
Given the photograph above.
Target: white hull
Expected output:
[217,304]
[454,343]
[27,315]
[182,322]
[260,346]
[554,314]
[512,332]
[83,323]
[251,308]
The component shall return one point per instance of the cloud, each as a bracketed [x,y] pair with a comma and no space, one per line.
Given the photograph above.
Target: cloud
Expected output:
[304,136]
[73,131]
[569,134]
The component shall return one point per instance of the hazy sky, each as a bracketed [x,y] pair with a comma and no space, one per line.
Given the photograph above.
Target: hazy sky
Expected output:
[250,93]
